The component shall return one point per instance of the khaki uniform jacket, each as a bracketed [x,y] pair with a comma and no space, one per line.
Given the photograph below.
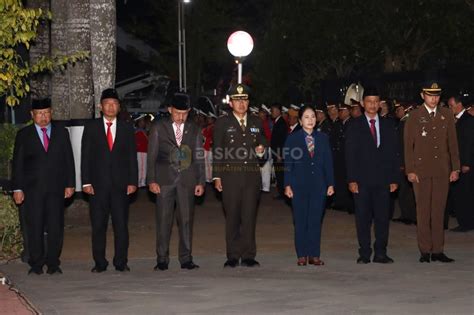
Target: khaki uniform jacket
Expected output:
[431,147]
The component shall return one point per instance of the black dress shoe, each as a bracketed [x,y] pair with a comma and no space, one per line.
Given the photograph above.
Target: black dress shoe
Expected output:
[123,268]
[98,269]
[424,258]
[383,260]
[363,260]
[441,257]
[250,263]
[460,229]
[53,270]
[161,266]
[231,263]
[189,265]
[35,270]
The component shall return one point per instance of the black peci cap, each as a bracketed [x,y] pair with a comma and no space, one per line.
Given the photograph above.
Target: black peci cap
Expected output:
[109,93]
[181,101]
[41,103]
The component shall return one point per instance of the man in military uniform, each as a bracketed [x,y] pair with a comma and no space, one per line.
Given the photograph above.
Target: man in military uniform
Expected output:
[431,163]
[406,196]
[239,146]
[323,124]
[343,198]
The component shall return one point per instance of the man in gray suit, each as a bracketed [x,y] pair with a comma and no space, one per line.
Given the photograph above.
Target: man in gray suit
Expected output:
[175,173]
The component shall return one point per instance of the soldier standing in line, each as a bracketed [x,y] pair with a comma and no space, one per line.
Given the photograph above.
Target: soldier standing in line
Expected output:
[431,163]
[406,196]
[239,146]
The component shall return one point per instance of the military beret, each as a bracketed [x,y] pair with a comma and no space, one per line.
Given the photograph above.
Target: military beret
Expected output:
[180,101]
[109,93]
[41,103]
[239,92]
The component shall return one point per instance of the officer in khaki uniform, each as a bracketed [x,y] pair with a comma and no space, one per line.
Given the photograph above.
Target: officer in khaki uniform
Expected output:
[239,145]
[431,163]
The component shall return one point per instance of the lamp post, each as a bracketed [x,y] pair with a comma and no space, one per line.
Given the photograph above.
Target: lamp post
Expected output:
[182,45]
[240,45]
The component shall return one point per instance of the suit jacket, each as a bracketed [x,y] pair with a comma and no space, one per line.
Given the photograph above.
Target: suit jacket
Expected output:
[106,169]
[366,163]
[234,149]
[279,134]
[303,171]
[431,146]
[465,136]
[34,169]
[166,161]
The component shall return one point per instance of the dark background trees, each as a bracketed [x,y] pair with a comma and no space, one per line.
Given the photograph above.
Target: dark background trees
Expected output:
[301,44]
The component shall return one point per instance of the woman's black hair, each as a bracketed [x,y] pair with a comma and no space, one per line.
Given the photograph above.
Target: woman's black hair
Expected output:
[305,108]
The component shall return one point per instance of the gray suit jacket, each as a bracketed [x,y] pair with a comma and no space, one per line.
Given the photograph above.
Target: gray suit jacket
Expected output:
[167,163]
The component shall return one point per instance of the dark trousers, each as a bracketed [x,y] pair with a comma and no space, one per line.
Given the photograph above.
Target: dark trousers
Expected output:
[406,199]
[181,197]
[44,210]
[25,254]
[372,203]
[240,199]
[308,208]
[463,201]
[279,176]
[102,205]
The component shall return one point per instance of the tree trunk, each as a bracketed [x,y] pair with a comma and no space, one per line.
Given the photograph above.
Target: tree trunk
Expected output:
[72,89]
[40,84]
[103,47]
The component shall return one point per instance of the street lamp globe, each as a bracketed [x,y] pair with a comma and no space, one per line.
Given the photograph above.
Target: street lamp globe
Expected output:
[240,44]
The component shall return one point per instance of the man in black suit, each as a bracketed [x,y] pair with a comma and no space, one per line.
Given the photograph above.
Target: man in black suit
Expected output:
[109,175]
[238,147]
[175,174]
[279,134]
[43,175]
[461,190]
[323,123]
[372,174]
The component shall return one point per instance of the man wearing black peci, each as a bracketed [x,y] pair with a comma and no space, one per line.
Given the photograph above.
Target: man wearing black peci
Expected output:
[109,170]
[175,174]
[372,173]
[43,175]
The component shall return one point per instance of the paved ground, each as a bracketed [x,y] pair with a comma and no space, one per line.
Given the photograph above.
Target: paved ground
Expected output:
[278,287]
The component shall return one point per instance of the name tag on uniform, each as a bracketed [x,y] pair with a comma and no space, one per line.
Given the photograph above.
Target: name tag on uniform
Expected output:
[423,120]
[255,130]
[231,129]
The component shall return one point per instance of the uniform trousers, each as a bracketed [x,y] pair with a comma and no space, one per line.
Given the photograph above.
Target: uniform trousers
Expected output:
[462,200]
[431,194]
[240,195]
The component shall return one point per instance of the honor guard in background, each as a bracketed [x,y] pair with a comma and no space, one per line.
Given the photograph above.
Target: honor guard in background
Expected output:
[43,175]
[431,163]
[279,134]
[406,196]
[343,198]
[323,123]
[239,145]
[461,192]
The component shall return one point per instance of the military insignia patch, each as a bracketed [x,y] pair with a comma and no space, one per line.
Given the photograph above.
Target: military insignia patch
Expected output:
[240,89]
